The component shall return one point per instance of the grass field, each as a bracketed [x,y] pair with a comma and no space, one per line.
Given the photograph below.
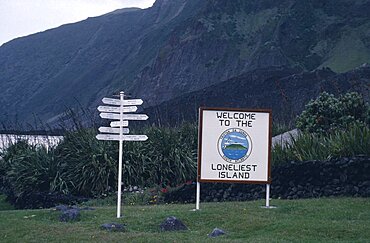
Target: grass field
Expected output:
[313,220]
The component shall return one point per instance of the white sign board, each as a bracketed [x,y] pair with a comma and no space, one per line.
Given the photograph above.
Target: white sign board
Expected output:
[113,130]
[110,101]
[234,145]
[119,124]
[112,137]
[117,109]
[113,116]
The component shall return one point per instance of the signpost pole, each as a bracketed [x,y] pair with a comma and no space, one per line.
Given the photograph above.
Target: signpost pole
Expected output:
[120,155]
[198,196]
[267,195]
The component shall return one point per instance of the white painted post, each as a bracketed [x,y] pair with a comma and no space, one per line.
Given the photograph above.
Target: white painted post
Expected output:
[267,195]
[120,154]
[198,196]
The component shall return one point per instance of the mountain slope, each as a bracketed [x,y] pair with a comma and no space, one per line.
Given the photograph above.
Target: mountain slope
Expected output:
[176,47]
[229,38]
[47,72]
[285,91]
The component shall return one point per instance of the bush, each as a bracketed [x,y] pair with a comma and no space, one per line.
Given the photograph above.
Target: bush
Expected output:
[88,167]
[340,143]
[167,158]
[328,113]
[11,153]
[26,171]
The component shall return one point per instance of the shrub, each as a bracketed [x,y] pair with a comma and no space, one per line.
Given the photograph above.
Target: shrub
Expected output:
[167,158]
[7,156]
[26,172]
[340,143]
[327,113]
[88,167]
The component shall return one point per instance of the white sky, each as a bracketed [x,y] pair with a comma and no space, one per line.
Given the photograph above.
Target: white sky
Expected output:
[23,17]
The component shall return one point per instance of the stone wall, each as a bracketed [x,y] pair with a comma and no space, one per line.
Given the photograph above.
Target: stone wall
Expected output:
[293,180]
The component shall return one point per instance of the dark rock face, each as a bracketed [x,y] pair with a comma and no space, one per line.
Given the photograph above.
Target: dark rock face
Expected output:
[70,215]
[172,224]
[281,89]
[308,179]
[114,227]
[216,232]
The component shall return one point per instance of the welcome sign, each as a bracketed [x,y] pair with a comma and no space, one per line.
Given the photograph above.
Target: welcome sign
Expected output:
[234,145]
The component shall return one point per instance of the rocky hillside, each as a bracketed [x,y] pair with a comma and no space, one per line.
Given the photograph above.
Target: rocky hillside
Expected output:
[285,91]
[177,47]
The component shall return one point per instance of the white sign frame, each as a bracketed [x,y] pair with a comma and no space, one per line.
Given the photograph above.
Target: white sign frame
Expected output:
[246,163]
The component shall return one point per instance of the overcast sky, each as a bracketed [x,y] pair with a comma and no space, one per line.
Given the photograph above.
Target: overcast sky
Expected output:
[23,17]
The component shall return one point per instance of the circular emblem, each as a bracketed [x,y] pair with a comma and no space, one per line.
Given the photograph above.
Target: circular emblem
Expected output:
[234,145]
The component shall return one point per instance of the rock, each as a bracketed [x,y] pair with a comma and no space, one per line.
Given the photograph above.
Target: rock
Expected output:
[70,215]
[172,224]
[216,232]
[114,227]
[62,208]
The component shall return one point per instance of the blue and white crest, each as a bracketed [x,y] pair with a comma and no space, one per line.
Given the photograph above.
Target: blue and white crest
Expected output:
[234,145]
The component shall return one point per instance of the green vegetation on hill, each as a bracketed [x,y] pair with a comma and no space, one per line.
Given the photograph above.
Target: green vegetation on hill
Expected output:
[314,220]
[235,147]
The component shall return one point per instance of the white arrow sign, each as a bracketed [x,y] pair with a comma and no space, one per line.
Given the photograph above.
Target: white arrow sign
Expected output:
[133,102]
[114,116]
[111,137]
[110,101]
[137,117]
[113,130]
[108,137]
[135,137]
[117,109]
[119,124]
[110,116]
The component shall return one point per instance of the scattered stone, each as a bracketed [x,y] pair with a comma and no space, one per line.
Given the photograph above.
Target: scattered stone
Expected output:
[62,208]
[113,227]
[70,215]
[216,232]
[172,224]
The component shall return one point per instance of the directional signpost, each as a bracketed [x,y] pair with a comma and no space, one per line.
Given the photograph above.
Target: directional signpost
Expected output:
[117,130]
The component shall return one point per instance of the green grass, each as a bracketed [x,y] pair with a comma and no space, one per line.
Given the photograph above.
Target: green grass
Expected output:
[349,52]
[314,220]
